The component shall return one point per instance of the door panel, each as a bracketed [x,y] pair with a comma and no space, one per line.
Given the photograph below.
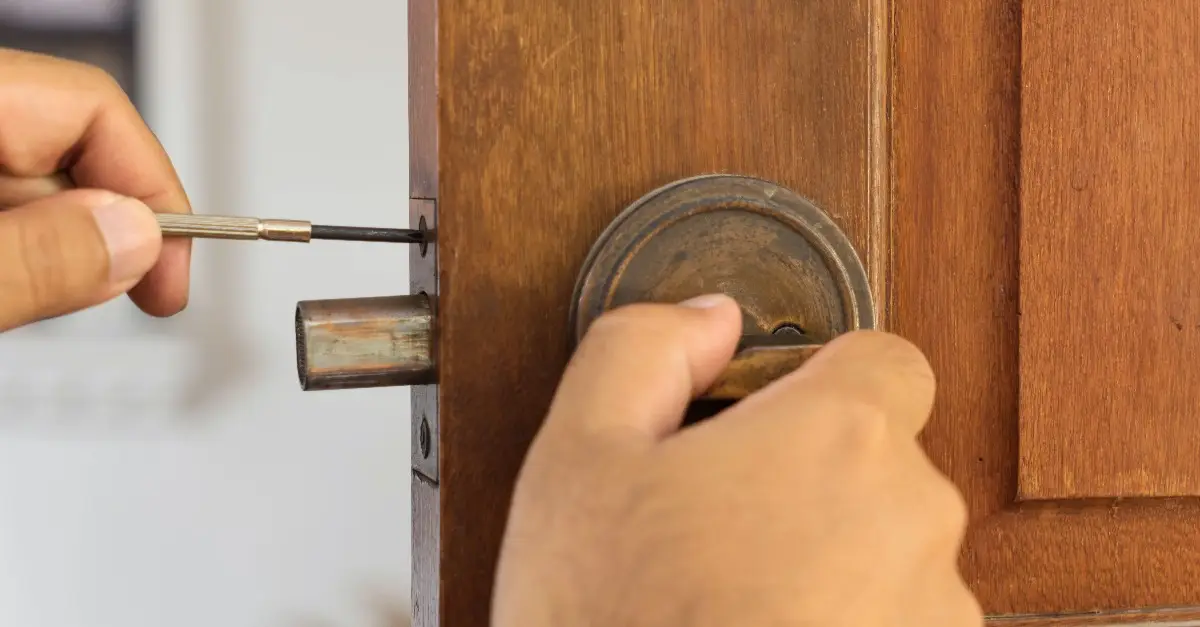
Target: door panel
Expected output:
[1001,113]
[1110,304]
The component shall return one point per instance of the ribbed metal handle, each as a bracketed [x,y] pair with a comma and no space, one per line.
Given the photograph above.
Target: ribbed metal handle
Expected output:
[219,227]
[233,227]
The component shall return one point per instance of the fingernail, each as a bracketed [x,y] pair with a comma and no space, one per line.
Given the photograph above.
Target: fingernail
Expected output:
[131,235]
[708,301]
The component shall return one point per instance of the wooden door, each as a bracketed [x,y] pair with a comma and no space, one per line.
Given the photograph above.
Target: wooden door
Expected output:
[1017,177]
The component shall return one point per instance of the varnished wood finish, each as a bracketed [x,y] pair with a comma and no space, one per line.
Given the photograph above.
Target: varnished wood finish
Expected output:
[903,120]
[956,283]
[554,116]
[1109,249]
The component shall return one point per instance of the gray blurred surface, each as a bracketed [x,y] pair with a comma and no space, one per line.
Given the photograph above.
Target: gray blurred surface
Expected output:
[171,472]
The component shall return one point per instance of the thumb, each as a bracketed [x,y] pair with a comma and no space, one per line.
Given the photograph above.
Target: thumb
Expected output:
[639,366]
[72,250]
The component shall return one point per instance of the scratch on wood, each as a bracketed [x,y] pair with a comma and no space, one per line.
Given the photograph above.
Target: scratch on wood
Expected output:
[559,50]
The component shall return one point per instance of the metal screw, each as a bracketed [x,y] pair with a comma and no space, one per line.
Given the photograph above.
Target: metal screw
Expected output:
[424,228]
[425,438]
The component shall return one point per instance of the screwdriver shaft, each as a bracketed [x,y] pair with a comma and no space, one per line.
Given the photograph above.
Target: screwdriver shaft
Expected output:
[367,234]
[242,228]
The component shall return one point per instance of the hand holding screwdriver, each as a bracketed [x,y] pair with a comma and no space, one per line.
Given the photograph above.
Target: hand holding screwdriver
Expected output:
[79,174]
[66,124]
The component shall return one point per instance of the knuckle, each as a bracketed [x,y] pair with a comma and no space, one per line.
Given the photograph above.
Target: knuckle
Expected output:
[862,428]
[49,263]
[966,609]
[24,159]
[85,82]
[32,286]
[629,314]
[100,78]
[893,349]
[79,73]
[936,500]
[642,320]
[96,80]
[949,508]
[47,282]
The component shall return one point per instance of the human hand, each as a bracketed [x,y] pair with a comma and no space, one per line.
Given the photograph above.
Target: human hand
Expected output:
[63,125]
[808,503]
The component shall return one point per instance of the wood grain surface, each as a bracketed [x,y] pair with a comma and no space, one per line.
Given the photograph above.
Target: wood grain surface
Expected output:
[1109,188]
[956,287]
[551,118]
[904,120]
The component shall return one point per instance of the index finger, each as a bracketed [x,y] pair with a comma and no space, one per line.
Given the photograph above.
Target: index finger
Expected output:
[62,116]
[869,368]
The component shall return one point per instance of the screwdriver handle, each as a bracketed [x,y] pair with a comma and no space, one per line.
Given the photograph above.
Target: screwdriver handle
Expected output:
[233,227]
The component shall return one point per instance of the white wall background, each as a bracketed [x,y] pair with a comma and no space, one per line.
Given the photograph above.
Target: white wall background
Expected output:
[157,473]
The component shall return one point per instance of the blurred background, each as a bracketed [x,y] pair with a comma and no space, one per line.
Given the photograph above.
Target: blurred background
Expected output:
[171,472]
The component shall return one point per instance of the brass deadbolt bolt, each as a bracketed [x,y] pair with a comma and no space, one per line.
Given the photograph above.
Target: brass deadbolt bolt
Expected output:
[364,342]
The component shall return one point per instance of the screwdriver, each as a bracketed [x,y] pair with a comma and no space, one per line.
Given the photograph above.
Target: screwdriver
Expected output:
[236,227]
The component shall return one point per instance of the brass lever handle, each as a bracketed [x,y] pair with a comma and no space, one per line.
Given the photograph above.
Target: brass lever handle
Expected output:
[758,363]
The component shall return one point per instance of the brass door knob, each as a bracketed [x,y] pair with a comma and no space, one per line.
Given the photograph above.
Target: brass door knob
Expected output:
[794,272]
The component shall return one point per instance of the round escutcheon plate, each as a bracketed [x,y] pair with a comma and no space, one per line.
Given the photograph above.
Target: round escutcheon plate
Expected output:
[784,260]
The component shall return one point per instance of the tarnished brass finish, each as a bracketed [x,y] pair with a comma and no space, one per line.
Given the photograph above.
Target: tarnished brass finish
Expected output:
[364,342]
[755,366]
[285,230]
[784,260]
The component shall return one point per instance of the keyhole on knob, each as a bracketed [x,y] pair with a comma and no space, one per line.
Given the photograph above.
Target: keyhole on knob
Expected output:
[789,329]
